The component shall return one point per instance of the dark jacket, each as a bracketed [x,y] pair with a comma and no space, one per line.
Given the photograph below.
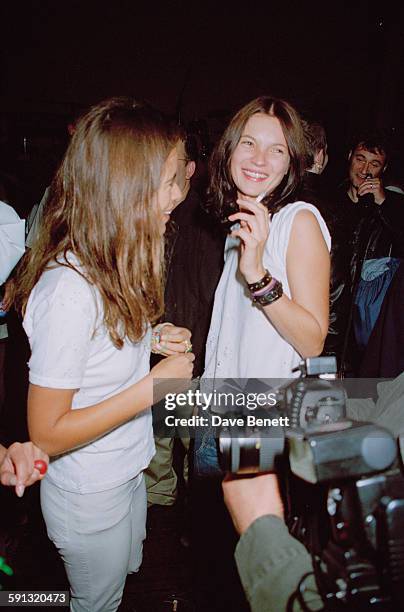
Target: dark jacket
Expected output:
[194,262]
[384,355]
[315,191]
[357,233]
[371,232]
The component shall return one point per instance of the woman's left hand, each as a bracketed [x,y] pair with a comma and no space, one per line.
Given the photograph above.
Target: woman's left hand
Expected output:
[253,234]
[173,340]
[18,467]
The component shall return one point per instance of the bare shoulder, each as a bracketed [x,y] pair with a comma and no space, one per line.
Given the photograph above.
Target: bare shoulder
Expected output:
[306,227]
[305,218]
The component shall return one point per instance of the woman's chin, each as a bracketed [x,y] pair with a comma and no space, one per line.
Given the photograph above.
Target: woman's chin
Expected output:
[250,194]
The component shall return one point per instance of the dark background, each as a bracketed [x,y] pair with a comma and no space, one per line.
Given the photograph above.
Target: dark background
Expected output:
[340,61]
[198,61]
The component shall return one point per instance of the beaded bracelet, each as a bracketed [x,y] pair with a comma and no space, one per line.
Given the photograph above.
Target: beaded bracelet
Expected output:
[269,296]
[265,280]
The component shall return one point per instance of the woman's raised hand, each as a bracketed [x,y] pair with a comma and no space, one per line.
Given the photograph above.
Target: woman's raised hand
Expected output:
[168,339]
[253,233]
[175,366]
[171,375]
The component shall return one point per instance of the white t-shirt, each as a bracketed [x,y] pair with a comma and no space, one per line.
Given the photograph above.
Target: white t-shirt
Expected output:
[242,342]
[62,313]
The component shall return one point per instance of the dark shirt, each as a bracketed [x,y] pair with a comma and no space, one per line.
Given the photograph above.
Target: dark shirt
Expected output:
[315,191]
[370,232]
[194,262]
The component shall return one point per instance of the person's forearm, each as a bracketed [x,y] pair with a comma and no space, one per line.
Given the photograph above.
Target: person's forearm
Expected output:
[271,564]
[297,326]
[77,427]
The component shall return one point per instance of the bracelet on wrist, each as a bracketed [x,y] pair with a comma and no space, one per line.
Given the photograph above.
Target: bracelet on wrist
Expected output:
[265,280]
[270,295]
[267,288]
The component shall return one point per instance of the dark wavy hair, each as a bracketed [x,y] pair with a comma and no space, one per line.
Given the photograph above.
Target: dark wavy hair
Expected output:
[316,139]
[222,191]
[103,209]
[375,140]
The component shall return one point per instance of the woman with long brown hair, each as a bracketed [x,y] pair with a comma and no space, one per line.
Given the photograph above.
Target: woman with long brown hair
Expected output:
[89,290]
[274,287]
[271,304]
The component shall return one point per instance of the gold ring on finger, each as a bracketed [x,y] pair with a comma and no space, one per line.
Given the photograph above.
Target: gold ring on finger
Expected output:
[188,346]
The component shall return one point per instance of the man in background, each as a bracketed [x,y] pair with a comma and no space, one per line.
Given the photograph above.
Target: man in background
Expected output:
[373,218]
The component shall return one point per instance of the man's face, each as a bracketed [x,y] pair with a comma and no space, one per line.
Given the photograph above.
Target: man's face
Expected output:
[185,170]
[363,162]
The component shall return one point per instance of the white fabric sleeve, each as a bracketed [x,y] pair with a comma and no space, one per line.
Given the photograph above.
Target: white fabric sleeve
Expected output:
[12,238]
[60,325]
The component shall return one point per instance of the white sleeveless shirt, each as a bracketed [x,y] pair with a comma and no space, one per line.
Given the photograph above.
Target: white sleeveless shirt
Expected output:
[242,342]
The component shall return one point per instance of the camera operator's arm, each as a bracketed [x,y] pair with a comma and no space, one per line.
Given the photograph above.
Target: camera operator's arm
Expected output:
[388,409]
[271,562]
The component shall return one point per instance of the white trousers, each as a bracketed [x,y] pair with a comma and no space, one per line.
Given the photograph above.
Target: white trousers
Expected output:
[99,537]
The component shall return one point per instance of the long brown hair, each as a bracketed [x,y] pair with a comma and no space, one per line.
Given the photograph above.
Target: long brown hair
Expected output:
[102,208]
[222,191]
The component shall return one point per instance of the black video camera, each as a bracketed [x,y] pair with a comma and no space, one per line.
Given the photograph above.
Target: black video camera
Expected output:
[348,474]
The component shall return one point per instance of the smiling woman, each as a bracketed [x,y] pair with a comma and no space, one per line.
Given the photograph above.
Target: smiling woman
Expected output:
[261,158]
[168,193]
[271,305]
[90,288]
